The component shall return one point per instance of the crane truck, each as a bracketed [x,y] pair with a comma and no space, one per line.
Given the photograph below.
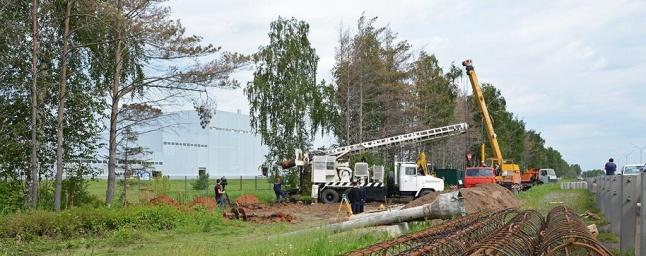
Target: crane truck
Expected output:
[332,175]
[499,171]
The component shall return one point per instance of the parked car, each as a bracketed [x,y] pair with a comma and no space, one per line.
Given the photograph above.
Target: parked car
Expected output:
[547,176]
[632,169]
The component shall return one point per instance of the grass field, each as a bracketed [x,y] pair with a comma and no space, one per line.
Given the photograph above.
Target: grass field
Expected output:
[242,238]
[182,190]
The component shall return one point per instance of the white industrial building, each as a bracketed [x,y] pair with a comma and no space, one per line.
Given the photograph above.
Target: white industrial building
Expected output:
[181,147]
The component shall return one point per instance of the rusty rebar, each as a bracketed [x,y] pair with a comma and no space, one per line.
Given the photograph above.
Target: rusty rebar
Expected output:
[518,237]
[464,239]
[566,234]
[437,235]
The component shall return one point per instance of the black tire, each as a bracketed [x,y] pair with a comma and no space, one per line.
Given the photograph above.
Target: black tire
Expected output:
[329,196]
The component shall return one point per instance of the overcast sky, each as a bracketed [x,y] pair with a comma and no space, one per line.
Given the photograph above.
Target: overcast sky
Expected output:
[572,70]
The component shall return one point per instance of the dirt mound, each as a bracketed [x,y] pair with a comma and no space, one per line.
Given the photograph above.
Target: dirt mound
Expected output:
[274,217]
[426,199]
[247,200]
[488,197]
[206,201]
[165,200]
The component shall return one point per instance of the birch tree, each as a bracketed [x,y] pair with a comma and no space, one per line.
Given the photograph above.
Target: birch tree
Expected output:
[288,107]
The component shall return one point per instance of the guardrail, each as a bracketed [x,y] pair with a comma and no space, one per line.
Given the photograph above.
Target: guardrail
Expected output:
[619,199]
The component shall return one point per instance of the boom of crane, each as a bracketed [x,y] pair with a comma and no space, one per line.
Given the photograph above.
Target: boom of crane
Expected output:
[403,139]
[509,172]
[302,158]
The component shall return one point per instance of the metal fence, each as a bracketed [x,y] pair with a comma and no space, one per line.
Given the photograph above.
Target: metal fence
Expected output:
[183,189]
[619,198]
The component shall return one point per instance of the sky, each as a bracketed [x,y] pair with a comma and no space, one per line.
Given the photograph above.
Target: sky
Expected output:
[572,70]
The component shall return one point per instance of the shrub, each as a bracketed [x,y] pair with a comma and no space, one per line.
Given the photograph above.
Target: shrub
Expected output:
[11,197]
[201,183]
[86,221]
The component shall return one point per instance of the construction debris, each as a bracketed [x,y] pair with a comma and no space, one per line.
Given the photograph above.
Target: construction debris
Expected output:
[445,206]
[247,200]
[164,200]
[426,199]
[205,201]
[491,197]
[505,232]
[566,234]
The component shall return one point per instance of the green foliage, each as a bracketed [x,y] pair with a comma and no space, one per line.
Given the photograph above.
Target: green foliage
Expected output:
[97,222]
[161,185]
[593,173]
[287,105]
[201,183]
[517,143]
[11,197]
[436,93]
[371,74]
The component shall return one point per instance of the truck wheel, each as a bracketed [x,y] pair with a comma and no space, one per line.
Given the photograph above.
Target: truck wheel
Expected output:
[329,196]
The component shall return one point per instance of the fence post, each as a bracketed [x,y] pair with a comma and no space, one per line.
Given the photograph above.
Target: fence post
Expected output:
[240,182]
[615,204]
[255,183]
[601,194]
[628,211]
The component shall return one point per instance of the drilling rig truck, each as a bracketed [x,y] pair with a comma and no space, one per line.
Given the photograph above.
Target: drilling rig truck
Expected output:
[332,175]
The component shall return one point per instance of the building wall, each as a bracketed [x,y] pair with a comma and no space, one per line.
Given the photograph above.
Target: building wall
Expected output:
[180,146]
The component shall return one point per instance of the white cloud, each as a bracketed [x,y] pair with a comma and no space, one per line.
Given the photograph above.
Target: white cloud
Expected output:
[571,69]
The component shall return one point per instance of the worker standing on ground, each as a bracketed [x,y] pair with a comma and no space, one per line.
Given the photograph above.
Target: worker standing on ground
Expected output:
[364,196]
[355,197]
[611,167]
[219,193]
[278,184]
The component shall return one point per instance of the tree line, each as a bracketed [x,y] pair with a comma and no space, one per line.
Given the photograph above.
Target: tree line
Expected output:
[70,64]
[67,65]
[381,87]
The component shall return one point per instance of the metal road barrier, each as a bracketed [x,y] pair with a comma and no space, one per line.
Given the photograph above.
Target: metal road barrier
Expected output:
[619,198]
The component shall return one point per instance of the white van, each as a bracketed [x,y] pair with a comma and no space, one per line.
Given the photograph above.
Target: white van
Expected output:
[632,169]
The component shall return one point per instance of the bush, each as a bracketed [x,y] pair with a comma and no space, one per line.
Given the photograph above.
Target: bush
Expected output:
[201,183]
[11,197]
[82,222]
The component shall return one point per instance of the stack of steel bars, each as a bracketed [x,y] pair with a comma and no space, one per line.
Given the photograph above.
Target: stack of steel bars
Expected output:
[445,236]
[567,235]
[518,237]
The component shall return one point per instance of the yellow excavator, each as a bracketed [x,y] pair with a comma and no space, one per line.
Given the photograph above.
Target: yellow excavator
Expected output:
[507,173]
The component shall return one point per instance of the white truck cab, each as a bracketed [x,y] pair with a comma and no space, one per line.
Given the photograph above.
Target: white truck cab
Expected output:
[547,176]
[412,182]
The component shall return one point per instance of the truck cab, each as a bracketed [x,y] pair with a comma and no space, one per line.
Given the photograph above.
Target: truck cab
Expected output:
[547,176]
[479,175]
[410,181]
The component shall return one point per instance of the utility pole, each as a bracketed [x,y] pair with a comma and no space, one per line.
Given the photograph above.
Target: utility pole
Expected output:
[641,151]
[626,156]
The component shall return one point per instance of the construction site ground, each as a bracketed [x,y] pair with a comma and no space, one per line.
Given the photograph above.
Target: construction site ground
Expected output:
[276,237]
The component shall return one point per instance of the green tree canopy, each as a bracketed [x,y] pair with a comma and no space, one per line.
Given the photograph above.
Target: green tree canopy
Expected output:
[288,107]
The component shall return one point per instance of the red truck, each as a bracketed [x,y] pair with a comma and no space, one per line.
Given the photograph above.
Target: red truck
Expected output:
[479,175]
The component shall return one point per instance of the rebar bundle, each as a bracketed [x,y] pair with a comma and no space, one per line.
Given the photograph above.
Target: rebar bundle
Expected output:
[518,237]
[464,239]
[441,235]
[566,234]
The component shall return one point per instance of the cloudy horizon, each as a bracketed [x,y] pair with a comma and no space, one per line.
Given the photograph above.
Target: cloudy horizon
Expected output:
[570,69]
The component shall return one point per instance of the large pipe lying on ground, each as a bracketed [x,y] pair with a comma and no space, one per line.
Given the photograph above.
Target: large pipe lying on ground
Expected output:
[446,205]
